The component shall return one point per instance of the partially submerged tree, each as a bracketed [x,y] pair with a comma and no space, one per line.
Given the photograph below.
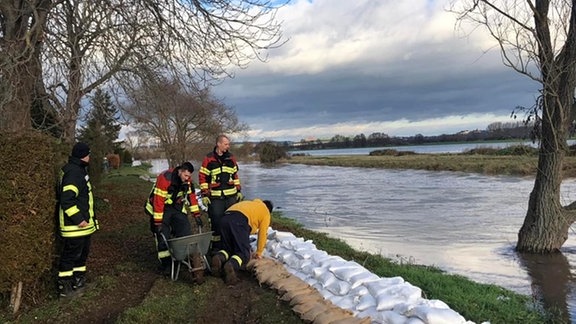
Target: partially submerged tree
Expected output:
[538,40]
[180,118]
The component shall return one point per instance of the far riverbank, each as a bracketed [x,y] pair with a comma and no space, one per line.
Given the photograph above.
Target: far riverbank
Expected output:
[513,165]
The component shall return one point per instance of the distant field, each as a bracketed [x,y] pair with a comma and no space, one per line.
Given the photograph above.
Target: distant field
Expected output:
[515,165]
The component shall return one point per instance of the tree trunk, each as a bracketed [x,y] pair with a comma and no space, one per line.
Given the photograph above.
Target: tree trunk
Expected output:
[18,86]
[20,66]
[546,225]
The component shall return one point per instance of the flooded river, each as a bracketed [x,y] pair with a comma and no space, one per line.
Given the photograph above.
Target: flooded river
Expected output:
[463,223]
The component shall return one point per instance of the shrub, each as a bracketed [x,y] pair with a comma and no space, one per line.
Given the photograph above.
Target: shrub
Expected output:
[391,152]
[270,152]
[27,213]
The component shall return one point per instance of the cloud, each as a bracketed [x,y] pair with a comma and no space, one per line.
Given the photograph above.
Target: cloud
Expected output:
[398,67]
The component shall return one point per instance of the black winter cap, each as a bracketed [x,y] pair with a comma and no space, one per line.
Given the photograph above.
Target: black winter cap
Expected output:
[80,150]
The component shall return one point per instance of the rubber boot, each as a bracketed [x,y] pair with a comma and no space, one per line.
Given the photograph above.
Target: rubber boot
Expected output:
[65,287]
[216,264]
[231,278]
[79,284]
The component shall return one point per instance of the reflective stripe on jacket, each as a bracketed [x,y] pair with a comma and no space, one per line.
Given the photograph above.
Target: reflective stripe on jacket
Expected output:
[218,175]
[76,200]
[169,192]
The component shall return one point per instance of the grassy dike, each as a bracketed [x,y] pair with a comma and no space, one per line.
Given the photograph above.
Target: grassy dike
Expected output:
[513,165]
[123,288]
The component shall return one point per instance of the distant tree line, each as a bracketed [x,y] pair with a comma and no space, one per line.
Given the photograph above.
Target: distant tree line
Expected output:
[494,131]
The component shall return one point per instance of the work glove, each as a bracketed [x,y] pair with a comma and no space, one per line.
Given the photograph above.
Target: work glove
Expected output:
[239,196]
[198,220]
[206,201]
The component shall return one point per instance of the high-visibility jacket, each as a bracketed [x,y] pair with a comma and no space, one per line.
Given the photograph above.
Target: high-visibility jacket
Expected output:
[218,176]
[258,218]
[76,200]
[170,192]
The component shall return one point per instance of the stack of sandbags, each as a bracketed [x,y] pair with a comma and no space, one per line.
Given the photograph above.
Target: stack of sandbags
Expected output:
[306,301]
[350,286]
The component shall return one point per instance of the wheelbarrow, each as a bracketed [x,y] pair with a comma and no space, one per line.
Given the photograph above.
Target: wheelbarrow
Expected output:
[182,248]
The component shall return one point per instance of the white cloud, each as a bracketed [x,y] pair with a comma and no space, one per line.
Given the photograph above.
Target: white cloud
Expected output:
[398,67]
[401,127]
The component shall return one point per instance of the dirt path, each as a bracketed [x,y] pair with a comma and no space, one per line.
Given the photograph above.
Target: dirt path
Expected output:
[122,268]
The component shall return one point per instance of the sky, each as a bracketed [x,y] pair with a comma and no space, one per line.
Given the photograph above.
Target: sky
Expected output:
[396,67]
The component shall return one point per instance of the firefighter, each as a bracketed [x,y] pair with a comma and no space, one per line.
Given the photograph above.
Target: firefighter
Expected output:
[219,185]
[172,196]
[239,222]
[76,221]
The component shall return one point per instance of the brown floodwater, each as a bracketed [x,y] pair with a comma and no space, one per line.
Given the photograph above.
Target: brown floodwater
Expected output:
[463,223]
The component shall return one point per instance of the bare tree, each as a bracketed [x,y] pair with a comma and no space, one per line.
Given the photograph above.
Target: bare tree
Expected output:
[21,35]
[181,118]
[88,44]
[538,40]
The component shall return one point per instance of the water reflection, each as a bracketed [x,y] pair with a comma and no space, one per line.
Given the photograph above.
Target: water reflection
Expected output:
[552,282]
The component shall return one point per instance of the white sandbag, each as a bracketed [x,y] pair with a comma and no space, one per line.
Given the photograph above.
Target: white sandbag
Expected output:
[326,262]
[403,290]
[290,259]
[377,286]
[304,246]
[359,291]
[326,294]
[319,255]
[278,235]
[299,274]
[308,268]
[305,254]
[346,271]
[416,320]
[311,281]
[362,278]
[435,303]
[387,302]
[365,302]
[338,287]
[390,317]
[370,312]
[405,307]
[326,278]
[305,263]
[345,302]
[432,315]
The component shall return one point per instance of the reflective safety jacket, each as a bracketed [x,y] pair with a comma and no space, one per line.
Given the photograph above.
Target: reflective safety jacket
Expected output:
[258,218]
[76,200]
[170,192]
[218,176]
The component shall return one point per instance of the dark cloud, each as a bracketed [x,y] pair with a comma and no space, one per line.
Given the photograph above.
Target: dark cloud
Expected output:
[372,70]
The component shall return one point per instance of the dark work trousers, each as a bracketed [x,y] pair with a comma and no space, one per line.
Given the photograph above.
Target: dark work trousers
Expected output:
[74,255]
[236,238]
[174,224]
[216,210]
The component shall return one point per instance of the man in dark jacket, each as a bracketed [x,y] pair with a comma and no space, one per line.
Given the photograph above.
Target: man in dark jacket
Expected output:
[76,221]
[219,185]
[169,202]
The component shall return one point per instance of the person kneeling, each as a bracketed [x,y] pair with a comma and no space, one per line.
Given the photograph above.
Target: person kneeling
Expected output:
[238,223]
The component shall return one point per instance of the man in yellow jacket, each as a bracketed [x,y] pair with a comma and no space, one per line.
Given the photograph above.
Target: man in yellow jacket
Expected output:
[238,223]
